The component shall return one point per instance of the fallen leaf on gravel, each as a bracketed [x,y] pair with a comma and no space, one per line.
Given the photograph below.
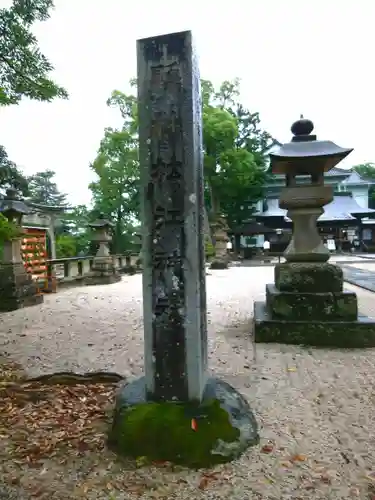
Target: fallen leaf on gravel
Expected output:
[206,478]
[287,464]
[42,420]
[298,458]
[267,448]
[203,483]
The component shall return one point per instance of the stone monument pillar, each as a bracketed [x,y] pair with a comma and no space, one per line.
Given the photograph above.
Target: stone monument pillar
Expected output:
[17,289]
[307,303]
[175,412]
[103,271]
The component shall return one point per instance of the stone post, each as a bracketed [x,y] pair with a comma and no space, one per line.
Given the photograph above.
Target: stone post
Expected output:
[220,228]
[103,269]
[307,303]
[174,293]
[17,289]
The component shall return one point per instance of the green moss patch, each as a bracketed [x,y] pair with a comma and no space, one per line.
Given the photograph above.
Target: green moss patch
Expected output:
[163,432]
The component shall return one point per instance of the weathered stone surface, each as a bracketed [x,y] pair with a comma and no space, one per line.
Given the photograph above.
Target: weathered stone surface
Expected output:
[349,334]
[311,306]
[239,417]
[171,171]
[308,277]
[103,272]
[17,289]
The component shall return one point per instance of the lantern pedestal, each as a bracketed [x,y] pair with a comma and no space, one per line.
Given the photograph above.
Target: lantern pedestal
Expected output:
[221,259]
[17,289]
[307,305]
[103,272]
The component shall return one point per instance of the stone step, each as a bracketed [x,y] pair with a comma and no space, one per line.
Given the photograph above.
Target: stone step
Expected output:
[337,306]
[308,277]
[349,334]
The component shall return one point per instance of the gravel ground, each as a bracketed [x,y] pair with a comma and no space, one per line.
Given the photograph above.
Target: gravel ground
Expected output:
[370,266]
[315,406]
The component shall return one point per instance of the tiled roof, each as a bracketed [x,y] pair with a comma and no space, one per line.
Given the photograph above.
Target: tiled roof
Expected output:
[343,207]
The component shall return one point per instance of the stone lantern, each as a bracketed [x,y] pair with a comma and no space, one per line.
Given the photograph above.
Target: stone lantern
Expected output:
[17,288]
[103,270]
[220,236]
[307,304]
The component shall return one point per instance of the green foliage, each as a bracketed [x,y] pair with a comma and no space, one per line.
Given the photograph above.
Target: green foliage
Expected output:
[8,230]
[10,175]
[116,188]
[163,432]
[43,190]
[209,248]
[66,246]
[24,69]
[75,222]
[235,150]
[367,172]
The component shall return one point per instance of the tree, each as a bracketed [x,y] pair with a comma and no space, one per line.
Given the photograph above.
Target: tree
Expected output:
[367,172]
[235,149]
[66,246]
[23,73]
[44,191]
[75,224]
[116,188]
[10,175]
[24,69]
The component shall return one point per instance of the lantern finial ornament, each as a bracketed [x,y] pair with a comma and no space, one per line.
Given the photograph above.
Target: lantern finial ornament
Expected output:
[301,129]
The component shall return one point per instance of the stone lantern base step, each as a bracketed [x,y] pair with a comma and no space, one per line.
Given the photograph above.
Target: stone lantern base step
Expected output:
[302,306]
[350,334]
[310,277]
[102,279]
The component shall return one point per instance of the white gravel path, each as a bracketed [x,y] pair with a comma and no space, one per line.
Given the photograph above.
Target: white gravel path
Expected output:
[315,403]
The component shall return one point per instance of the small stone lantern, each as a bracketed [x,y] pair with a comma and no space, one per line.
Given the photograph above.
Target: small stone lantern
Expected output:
[17,288]
[220,236]
[13,209]
[103,270]
[307,303]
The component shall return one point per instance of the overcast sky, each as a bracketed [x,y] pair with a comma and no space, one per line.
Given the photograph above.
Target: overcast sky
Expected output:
[293,57]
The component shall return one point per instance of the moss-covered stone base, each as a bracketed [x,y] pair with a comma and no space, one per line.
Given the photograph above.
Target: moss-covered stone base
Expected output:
[192,434]
[308,277]
[302,306]
[350,334]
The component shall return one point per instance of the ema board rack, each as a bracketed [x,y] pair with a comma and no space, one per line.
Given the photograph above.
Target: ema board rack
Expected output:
[34,255]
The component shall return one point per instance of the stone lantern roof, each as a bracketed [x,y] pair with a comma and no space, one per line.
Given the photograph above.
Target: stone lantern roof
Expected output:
[12,204]
[305,154]
[101,222]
